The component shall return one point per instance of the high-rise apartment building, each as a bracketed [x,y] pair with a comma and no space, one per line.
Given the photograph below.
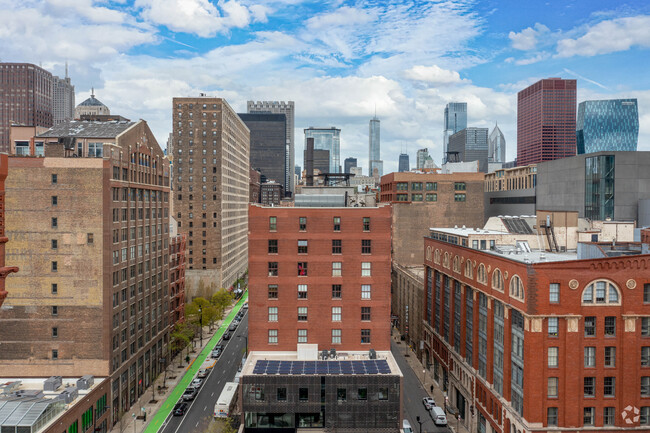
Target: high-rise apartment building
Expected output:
[268,144]
[211,188]
[455,120]
[546,121]
[607,126]
[91,107]
[26,98]
[404,162]
[327,139]
[348,164]
[374,148]
[496,145]
[470,144]
[93,295]
[62,99]
[288,109]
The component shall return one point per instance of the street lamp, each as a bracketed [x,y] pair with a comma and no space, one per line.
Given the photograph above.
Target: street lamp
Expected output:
[417,418]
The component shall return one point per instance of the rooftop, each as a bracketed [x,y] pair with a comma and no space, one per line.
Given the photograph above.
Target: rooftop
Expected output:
[88,129]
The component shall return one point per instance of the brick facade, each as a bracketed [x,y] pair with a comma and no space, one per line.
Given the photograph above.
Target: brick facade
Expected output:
[177,247]
[4,270]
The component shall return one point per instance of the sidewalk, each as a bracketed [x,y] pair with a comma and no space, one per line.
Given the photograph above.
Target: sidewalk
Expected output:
[175,375]
[437,393]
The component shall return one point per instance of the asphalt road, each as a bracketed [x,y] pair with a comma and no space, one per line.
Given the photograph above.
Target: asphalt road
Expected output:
[413,395]
[201,409]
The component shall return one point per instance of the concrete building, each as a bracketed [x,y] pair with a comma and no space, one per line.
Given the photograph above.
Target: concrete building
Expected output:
[546,121]
[374,148]
[271,193]
[455,120]
[288,109]
[4,270]
[26,95]
[404,163]
[91,107]
[212,189]
[62,99]
[429,199]
[511,191]
[327,139]
[470,144]
[564,347]
[348,164]
[89,227]
[496,146]
[607,126]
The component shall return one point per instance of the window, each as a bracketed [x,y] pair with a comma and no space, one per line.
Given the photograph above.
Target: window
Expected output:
[366,224]
[337,246]
[609,387]
[336,291]
[302,269]
[460,186]
[552,357]
[55,244]
[645,415]
[336,336]
[302,335]
[54,266]
[55,354]
[459,197]
[55,179]
[365,313]
[497,280]
[90,238]
[336,314]
[273,336]
[273,246]
[382,394]
[645,326]
[551,416]
[431,197]
[554,293]
[302,291]
[365,291]
[588,416]
[646,293]
[416,197]
[590,386]
[610,326]
[610,356]
[55,288]
[402,186]
[341,394]
[273,269]
[303,394]
[336,269]
[273,314]
[302,224]
[609,415]
[55,332]
[55,310]
[362,394]
[282,394]
[337,224]
[590,326]
[273,291]
[366,246]
[645,386]
[365,336]
[553,326]
[55,200]
[302,314]
[402,197]
[516,287]
[552,387]
[600,292]
[416,186]
[432,186]
[273,223]
[55,222]
[645,356]
[590,357]
[366,270]
[302,247]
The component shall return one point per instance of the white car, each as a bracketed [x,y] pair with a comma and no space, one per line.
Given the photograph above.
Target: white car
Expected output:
[196,383]
[406,426]
[428,402]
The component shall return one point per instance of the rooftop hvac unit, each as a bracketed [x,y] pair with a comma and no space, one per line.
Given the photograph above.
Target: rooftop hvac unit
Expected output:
[86,382]
[53,383]
[372,354]
[332,353]
[69,395]
[324,355]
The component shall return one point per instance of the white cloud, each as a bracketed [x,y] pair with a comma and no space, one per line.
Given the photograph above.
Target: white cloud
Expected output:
[433,74]
[528,38]
[530,60]
[608,37]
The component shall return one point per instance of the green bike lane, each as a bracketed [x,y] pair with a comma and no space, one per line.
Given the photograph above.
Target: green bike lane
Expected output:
[171,400]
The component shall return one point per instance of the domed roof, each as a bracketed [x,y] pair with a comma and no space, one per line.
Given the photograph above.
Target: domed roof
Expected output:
[92,101]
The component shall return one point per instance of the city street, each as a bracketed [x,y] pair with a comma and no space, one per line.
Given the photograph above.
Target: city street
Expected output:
[201,409]
[413,393]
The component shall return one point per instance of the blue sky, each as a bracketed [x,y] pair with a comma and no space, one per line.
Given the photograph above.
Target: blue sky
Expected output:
[338,60]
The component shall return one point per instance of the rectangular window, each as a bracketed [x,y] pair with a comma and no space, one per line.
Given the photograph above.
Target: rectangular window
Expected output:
[609,387]
[282,394]
[55,244]
[273,336]
[55,332]
[273,223]
[302,247]
[588,416]
[302,291]
[554,293]
[416,197]
[432,186]
[590,326]
[55,288]
[646,293]
[55,222]
[55,354]
[551,416]
[273,291]
[645,415]
[645,326]
[459,197]
[645,386]
[366,270]
[303,394]
[273,314]
[431,197]
[273,269]
[90,238]
[365,336]
[273,246]
[55,200]
[402,186]
[590,386]
[337,224]
[55,310]
[302,269]
[366,224]
[302,223]
[552,387]
[55,179]
[55,266]
[402,197]
[336,336]
[609,415]
[610,356]
[341,394]
[337,269]
[460,186]
[365,313]
[645,356]
[302,335]
[610,326]
[302,314]
[336,314]
[590,357]
[553,326]
[366,246]
[552,357]
[382,394]
[337,246]
[416,186]
[365,291]
[336,291]
[362,394]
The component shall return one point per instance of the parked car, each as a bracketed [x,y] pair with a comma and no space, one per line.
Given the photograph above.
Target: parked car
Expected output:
[428,402]
[232,327]
[216,353]
[203,373]
[219,347]
[406,426]
[245,306]
[180,409]
[226,336]
[196,383]
[190,393]
[438,416]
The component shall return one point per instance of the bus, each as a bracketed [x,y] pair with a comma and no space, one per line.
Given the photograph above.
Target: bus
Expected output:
[226,402]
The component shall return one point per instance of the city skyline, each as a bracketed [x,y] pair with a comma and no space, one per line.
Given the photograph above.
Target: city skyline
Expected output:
[337,73]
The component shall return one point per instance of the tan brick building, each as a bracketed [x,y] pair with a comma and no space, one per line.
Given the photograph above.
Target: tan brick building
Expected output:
[406,306]
[211,189]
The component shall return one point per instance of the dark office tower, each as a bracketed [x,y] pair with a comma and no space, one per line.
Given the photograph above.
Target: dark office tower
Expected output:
[546,121]
[607,126]
[455,120]
[268,144]
[298,171]
[25,98]
[471,144]
[404,162]
[348,164]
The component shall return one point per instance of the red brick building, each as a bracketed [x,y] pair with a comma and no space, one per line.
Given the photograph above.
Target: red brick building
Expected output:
[536,341]
[319,276]
[177,245]
[4,270]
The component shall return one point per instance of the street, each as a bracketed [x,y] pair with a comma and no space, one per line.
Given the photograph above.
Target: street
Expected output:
[413,395]
[201,409]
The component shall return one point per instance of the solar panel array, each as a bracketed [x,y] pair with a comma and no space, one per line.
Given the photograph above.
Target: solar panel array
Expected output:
[371,366]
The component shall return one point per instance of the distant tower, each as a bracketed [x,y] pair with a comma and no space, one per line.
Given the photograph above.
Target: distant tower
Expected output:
[374,157]
[455,120]
[404,162]
[348,164]
[607,126]
[327,139]
[62,98]
[496,146]
[91,106]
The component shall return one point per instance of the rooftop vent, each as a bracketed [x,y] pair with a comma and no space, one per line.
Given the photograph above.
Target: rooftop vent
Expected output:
[53,383]
[86,382]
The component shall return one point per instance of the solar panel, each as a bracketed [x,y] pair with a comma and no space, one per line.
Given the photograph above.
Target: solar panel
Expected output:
[372,366]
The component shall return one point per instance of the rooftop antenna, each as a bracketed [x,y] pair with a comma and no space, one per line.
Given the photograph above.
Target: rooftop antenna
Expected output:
[66,69]
[92,92]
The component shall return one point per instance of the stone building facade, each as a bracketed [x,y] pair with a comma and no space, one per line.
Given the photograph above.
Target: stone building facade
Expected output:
[406,304]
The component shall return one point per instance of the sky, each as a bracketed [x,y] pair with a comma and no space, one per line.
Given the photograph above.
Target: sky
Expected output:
[340,61]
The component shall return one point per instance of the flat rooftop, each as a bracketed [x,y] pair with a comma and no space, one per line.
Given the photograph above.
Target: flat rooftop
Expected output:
[536,256]
[466,231]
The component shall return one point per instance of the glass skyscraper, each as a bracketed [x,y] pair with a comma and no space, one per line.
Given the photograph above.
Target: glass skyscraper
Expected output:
[496,146]
[599,187]
[455,120]
[374,157]
[404,162]
[327,139]
[607,125]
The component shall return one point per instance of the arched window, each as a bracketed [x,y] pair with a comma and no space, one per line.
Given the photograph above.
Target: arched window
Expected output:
[601,292]
[481,274]
[469,270]
[445,261]
[517,288]
[457,264]
[436,257]
[497,280]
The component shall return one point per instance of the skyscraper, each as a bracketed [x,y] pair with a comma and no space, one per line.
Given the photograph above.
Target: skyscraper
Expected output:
[374,151]
[471,145]
[423,159]
[607,125]
[288,109]
[26,96]
[546,121]
[327,139]
[348,164]
[455,120]
[404,162]
[268,148]
[496,146]
[62,99]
